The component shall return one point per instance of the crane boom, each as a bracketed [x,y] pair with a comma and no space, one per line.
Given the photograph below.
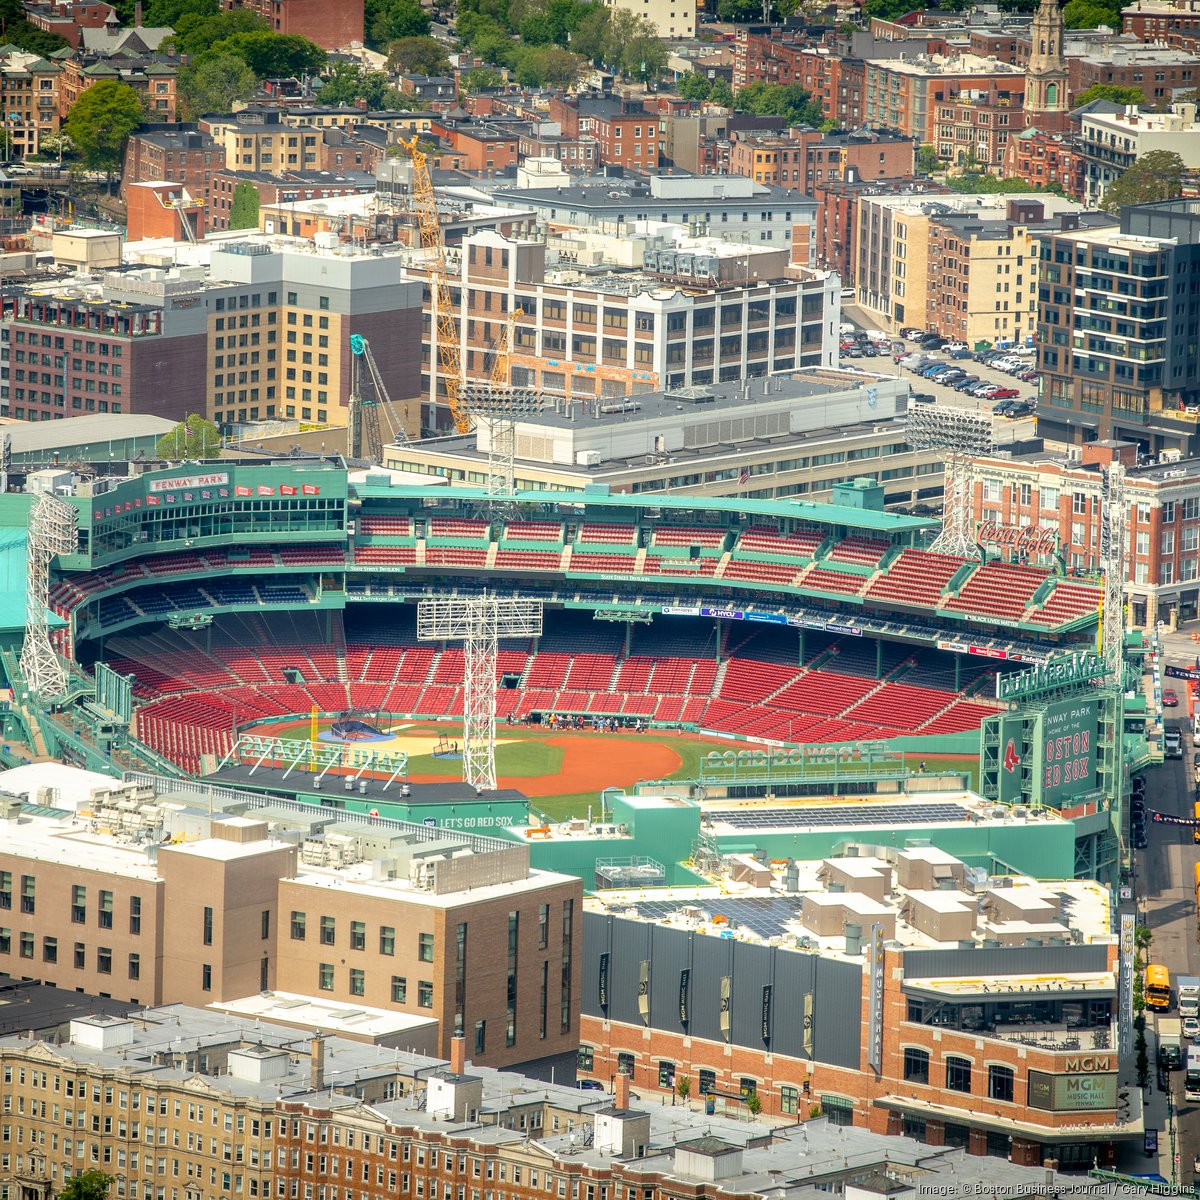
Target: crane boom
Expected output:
[364,409]
[500,364]
[449,350]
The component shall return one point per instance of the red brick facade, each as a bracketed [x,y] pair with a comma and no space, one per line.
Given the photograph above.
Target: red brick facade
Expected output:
[333,26]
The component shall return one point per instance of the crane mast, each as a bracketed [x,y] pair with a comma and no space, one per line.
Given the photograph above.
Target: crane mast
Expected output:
[449,349]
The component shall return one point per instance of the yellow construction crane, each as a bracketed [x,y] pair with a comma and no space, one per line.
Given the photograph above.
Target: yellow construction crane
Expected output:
[499,376]
[442,311]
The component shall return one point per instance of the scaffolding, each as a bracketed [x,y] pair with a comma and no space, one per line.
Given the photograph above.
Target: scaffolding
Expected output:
[479,622]
[51,532]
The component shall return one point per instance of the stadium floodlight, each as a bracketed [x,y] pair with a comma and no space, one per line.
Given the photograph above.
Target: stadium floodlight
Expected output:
[496,410]
[1113,563]
[479,622]
[959,434]
[51,532]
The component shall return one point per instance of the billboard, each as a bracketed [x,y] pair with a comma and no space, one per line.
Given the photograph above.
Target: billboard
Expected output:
[1068,750]
[1012,751]
[1077,1091]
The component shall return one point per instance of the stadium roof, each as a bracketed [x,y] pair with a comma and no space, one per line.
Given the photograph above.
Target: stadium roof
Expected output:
[804,510]
[90,431]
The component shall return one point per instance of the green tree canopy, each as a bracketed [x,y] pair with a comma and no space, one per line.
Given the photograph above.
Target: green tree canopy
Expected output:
[890,10]
[1155,176]
[976,183]
[274,55]
[418,55]
[1088,14]
[739,10]
[243,214]
[1110,91]
[194,437]
[100,123]
[548,66]
[170,12]
[387,20]
[90,1185]
[693,86]
[195,33]
[347,82]
[721,93]
[787,100]
[481,79]
[212,84]
[16,31]
[928,160]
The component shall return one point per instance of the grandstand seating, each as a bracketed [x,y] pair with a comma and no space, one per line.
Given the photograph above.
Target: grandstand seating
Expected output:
[866,552]
[385,556]
[676,566]
[622,564]
[759,572]
[527,560]
[455,556]
[621,535]
[916,577]
[687,535]
[370,525]
[997,589]
[457,527]
[1067,602]
[533,531]
[833,581]
[766,539]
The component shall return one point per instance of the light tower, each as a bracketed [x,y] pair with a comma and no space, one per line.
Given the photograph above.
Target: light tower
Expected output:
[960,434]
[479,622]
[51,532]
[1113,549]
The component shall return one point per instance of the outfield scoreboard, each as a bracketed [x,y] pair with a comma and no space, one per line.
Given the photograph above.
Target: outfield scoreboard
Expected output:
[1067,748]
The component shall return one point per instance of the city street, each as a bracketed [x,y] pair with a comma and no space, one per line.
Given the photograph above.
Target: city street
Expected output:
[1163,879]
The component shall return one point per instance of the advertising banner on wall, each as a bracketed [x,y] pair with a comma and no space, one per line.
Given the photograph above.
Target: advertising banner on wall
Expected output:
[875,998]
[1067,748]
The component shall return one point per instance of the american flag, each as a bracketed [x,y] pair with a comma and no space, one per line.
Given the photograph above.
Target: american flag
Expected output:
[744,477]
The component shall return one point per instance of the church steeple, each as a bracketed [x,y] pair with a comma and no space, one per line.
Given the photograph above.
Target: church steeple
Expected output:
[1046,71]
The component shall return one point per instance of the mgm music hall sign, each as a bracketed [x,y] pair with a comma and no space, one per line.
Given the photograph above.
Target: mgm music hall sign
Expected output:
[1088,1083]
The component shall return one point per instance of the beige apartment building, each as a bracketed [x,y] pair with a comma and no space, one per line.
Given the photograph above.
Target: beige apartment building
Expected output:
[29,96]
[675,312]
[672,19]
[203,910]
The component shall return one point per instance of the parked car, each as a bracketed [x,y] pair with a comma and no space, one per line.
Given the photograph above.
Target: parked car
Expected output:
[1170,700]
[1005,393]
[921,398]
[983,390]
[933,343]
[957,345]
[589,1085]
[966,383]
[960,353]
[1001,409]
[1020,408]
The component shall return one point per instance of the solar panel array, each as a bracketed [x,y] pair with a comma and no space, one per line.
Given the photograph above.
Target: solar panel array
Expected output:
[767,916]
[841,816]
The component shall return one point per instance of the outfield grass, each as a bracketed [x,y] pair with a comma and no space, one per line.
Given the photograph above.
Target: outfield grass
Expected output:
[523,759]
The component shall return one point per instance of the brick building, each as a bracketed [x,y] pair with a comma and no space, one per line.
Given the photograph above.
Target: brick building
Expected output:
[928,1054]
[184,156]
[1062,498]
[626,134]
[332,26]
[1159,71]
[69,18]
[152,78]
[1172,22]
[837,80]
[978,125]
[1040,157]
[477,147]
[158,209]
[468,935]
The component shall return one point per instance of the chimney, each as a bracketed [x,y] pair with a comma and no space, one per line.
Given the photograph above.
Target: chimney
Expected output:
[458,1054]
[137,15]
[317,1057]
[621,1091]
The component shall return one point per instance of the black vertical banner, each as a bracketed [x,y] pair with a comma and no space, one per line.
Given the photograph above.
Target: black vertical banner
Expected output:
[685,983]
[603,988]
[766,1014]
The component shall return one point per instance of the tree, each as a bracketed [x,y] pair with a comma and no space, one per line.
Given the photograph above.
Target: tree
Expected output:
[548,66]
[1089,14]
[480,79]
[787,100]
[169,12]
[100,123]
[721,93]
[1111,91]
[387,20]
[348,82]
[591,35]
[1155,176]
[196,33]
[739,10]
[243,214]
[274,55]
[754,1104]
[693,86]
[213,84]
[683,1085]
[195,437]
[928,160]
[419,56]
[890,10]
[91,1185]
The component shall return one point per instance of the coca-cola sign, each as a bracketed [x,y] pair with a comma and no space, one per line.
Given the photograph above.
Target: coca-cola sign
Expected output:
[1025,539]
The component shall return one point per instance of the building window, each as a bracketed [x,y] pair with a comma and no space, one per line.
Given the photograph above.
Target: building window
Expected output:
[789,1100]
[399,989]
[425,947]
[5,889]
[1000,1083]
[358,982]
[208,926]
[424,994]
[707,1082]
[50,949]
[480,1036]
[28,893]
[78,904]
[135,966]
[666,1074]
[328,931]
[104,960]
[958,1074]
[135,914]
[387,940]
[79,956]
[587,1056]
[265,924]
[26,945]
[543,926]
[625,1063]
[358,935]
[916,1065]
[106,910]
[325,977]
[205,977]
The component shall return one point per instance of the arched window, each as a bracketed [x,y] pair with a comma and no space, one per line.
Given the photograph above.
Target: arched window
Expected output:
[1051,94]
